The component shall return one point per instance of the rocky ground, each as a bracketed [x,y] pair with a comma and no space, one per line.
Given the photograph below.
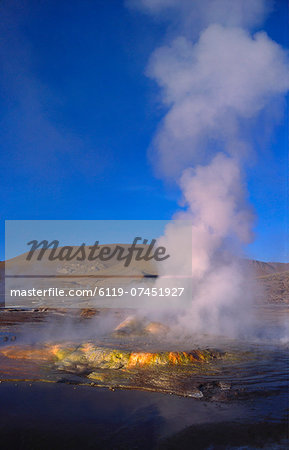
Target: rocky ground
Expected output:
[276,287]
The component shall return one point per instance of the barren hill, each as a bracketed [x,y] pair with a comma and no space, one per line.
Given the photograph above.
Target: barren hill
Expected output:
[273,276]
[261,268]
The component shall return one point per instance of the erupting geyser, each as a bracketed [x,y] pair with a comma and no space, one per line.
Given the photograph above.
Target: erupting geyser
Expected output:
[216,78]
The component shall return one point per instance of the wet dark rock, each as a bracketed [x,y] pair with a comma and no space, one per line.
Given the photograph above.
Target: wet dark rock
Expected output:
[217,391]
[224,386]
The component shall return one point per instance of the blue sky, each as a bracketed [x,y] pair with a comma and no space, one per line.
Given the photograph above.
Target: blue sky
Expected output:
[78,115]
[18,233]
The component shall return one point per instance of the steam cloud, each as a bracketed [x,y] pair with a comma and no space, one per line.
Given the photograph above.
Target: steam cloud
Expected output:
[216,77]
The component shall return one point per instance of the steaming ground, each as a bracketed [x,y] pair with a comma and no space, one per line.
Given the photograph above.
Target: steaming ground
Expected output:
[270,280]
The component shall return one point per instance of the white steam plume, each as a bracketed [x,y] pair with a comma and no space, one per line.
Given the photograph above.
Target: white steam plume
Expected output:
[191,16]
[221,220]
[214,86]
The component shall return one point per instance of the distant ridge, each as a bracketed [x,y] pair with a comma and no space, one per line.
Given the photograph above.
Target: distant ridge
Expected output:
[262,268]
[272,276]
[259,268]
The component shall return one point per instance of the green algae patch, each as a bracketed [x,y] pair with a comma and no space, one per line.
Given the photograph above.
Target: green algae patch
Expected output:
[95,357]
[105,358]
[61,352]
[176,372]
